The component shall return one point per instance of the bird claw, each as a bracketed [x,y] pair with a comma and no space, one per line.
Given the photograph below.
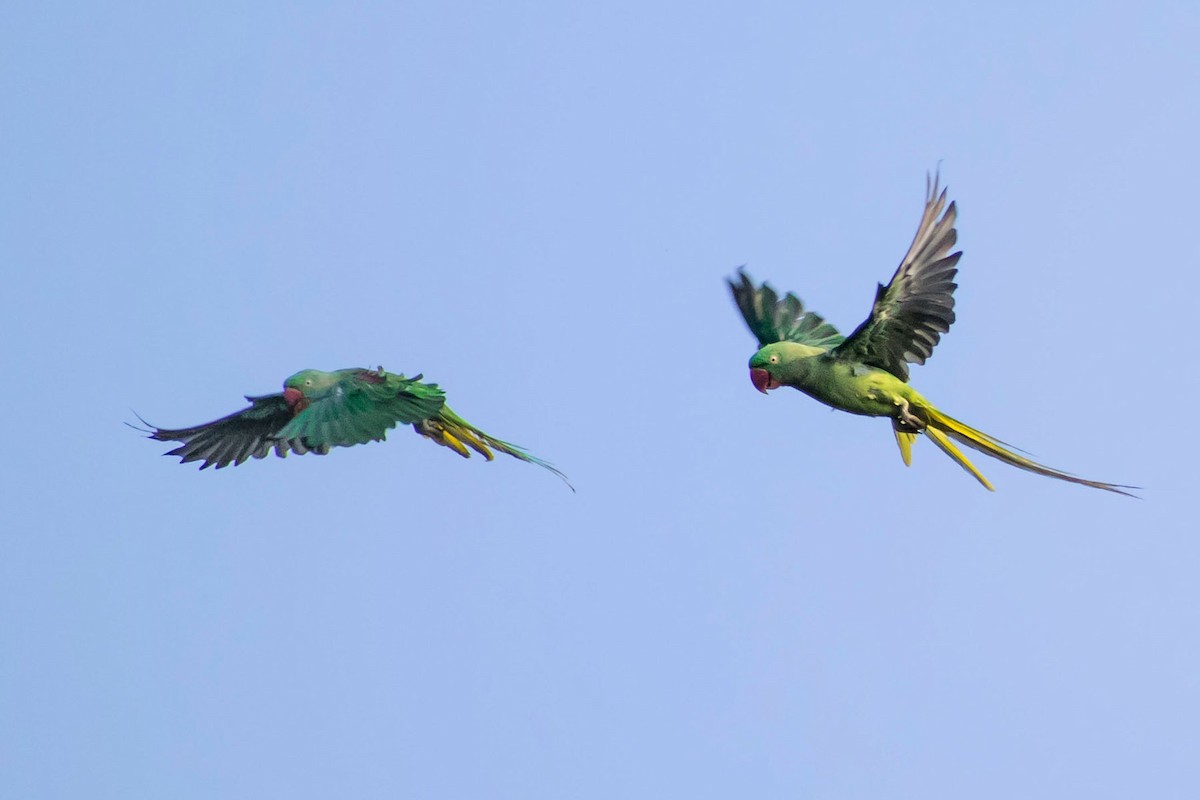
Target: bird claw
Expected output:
[906,421]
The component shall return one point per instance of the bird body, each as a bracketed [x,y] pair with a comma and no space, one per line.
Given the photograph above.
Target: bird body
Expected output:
[849,386]
[866,373]
[318,410]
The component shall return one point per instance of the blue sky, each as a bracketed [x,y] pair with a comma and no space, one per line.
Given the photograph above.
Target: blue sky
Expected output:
[536,206]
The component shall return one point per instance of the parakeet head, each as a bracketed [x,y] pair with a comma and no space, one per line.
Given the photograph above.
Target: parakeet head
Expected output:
[772,366]
[300,388]
[762,368]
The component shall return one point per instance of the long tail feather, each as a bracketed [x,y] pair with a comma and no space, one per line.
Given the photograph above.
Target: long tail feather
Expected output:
[939,423]
[905,439]
[451,441]
[947,447]
[451,430]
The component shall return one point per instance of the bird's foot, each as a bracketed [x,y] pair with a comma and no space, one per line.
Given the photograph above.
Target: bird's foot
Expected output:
[906,418]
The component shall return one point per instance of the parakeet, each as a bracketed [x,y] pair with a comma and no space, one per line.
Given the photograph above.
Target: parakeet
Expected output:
[319,410]
[867,372]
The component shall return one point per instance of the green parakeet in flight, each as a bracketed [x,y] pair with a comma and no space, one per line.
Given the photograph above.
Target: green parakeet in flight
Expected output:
[319,410]
[867,372]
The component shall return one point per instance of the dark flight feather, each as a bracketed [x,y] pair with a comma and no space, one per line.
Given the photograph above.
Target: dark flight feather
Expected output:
[772,320]
[249,433]
[912,312]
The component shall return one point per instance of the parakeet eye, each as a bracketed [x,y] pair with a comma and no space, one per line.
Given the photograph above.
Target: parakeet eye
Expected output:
[308,382]
[774,359]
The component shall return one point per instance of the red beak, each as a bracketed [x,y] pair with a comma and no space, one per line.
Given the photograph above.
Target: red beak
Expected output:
[761,379]
[292,396]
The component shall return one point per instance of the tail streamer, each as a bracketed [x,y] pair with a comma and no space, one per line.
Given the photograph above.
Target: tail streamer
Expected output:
[941,426]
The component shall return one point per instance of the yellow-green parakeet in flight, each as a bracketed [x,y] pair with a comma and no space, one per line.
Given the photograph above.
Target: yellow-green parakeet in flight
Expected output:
[867,372]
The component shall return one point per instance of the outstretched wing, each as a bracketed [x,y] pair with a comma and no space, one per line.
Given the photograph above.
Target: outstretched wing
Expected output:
[773,320]
[361,407]
[252,432]
[913,311]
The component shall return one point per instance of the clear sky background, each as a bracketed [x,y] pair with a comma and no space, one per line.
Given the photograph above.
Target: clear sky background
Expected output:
[536,206]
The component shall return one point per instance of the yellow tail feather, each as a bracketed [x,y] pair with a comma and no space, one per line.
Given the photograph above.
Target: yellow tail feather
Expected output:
[450,430]
[454,436]
[472,439]
[939,424]
[947,447]
[454,444]
[905,441]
